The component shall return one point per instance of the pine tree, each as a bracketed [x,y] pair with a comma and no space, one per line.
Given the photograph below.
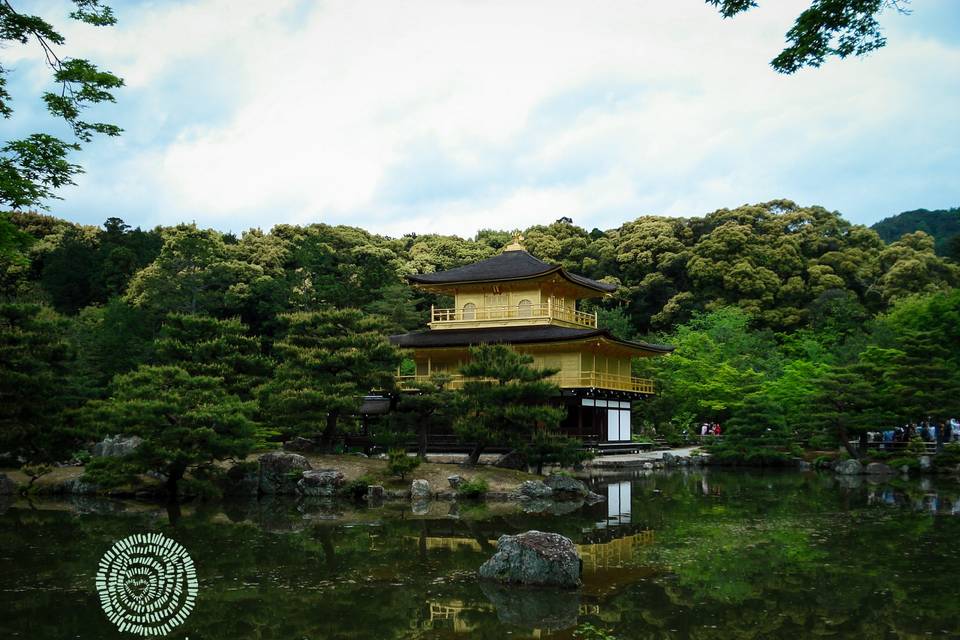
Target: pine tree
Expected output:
[328,360]
[848,401]
[187,422]
[205,346]
[35,384]
[505,400]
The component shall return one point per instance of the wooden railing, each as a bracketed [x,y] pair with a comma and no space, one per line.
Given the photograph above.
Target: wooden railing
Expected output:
[539,311]
[583,380]
[930,448]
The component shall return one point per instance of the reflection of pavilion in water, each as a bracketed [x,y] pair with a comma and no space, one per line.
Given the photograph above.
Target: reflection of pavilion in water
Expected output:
[611,553]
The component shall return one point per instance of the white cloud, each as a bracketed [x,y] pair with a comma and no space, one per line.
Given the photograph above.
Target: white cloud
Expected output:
[542,109]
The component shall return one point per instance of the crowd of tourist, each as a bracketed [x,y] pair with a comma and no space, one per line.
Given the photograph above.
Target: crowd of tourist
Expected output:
[927,431]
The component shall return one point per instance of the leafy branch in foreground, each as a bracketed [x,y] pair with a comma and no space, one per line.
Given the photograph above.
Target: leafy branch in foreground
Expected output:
[827,28]
[31,168]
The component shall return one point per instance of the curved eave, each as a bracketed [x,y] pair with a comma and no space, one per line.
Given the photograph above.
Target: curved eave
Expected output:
[464,338]
[579,281]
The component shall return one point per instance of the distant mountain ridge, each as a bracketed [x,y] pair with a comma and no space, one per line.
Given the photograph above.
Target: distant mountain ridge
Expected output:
[942,224]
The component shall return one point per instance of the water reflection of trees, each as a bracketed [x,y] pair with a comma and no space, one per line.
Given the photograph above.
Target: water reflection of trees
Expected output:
[703,555]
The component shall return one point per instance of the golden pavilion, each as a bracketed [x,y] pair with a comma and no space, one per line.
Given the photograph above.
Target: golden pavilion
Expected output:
[516,299]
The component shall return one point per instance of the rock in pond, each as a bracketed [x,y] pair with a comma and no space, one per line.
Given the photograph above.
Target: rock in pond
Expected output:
[419,490]
[455,481]
[546,609]
[420,507]
[7,486]
[926,463]
[535,489]
[566,487]
[534,558]
[281,471]
[848,468]
[321,482]
[77,487]
[242,479]
[879,469]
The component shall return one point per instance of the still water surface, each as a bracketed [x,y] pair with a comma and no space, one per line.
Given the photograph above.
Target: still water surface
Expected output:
[681,555]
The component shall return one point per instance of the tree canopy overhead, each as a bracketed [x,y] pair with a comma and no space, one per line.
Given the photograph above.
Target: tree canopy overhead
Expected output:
[34,167]
[826,28]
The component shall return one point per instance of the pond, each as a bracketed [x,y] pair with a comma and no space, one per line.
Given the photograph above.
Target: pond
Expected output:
[697,554]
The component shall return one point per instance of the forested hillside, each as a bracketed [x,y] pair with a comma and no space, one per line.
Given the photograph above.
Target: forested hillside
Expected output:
[943,225]
[769,305]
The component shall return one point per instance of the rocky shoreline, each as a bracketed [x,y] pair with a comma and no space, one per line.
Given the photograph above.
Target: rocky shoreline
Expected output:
[284,473]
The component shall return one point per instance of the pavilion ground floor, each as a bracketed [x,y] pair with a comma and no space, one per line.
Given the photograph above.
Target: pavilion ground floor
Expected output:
[600,418]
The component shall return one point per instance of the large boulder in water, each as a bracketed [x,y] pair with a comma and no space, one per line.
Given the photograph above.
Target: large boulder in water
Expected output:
[280,472]
[242,479]
[535,489]
[420,490]
[848,468]
[534,558]
[565,487]
[545,609]
[322,482]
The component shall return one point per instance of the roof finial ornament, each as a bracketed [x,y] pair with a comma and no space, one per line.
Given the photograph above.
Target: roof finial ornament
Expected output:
[517,244]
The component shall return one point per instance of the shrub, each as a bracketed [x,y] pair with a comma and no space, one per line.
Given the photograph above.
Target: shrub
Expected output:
[822,461]
[896,463]
[400,464]
[110,472]
[473,488]
[916,446]
[729,452]
[356,489]
[949,456]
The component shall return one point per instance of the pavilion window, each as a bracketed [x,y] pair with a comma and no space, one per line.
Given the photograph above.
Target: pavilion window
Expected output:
[524,308]
[469,311]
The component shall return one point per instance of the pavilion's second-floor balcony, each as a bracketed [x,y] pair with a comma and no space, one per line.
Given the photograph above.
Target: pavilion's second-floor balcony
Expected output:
[519,314]
[565,380]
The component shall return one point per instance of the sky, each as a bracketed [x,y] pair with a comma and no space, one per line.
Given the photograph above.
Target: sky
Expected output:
[452,116]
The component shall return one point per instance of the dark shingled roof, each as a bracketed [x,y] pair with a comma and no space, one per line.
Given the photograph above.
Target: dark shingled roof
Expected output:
[511,335]
[509,265]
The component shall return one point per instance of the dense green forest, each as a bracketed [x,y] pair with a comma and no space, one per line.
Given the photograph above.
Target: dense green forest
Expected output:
[793,327]
[943,225]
